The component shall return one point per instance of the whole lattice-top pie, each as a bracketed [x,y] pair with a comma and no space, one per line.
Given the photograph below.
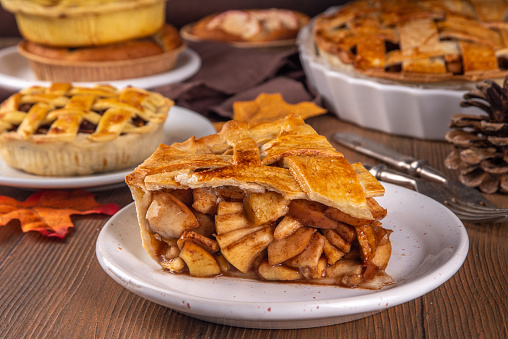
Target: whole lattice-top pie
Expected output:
[271,201]
[65,130]
[424,40]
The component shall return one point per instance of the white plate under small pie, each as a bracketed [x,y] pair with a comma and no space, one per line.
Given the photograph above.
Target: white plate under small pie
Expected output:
[180,125]
[16,74]
[429,245]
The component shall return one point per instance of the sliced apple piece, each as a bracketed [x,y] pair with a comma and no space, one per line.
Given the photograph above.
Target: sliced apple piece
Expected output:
[170,252]
[311,213]
[230,194]
[223,263]
[206,224]
[336,214]
[262,208]
[265,207]
[175,265]
[205,200]
[310,255]
[230,222]
[184,195]
[314,272]
[384,248]
[242,253]
[287,248]
[199,261]
[209,244]
[344,267]
[278,272]
[320,271]
[336,240]
[331,252]
[378,212]
[226,239]
[169,217]
[347,232]
[287,226]
[368,242]
[380,280]
[229,207]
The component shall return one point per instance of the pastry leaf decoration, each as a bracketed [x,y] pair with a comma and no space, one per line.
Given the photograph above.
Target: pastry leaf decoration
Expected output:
[271,107]
[49,211]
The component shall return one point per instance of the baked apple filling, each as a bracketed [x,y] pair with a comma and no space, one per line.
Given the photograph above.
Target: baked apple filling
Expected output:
[271,201]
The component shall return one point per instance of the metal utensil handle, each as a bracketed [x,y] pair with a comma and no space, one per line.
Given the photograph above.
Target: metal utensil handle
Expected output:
[373,149]
[419,168]
[381,172]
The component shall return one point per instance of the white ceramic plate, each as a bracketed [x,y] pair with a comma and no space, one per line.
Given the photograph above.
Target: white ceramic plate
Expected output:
[429,245]
[180,125]
[15,72]
[402,109]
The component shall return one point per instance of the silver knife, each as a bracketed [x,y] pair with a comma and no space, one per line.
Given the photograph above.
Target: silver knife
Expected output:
[412,166]
[431,189]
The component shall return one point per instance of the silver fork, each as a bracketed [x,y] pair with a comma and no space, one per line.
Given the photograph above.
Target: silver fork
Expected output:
[477,209]
[475,213]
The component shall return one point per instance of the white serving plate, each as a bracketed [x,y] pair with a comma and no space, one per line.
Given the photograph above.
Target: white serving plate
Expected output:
[16,74]
[180,125]
[409,110]
[429,245]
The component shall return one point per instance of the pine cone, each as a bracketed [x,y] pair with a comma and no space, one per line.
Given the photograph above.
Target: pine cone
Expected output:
[481,141]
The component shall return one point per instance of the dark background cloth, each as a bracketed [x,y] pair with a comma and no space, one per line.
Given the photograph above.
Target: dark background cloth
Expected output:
[231,74]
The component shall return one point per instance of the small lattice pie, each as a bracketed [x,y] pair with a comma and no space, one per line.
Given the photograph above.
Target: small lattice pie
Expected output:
[422,41]
[63,130]
[271,201]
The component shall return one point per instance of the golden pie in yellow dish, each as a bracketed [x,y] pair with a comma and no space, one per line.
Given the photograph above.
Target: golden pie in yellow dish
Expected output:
[271,201]
[76,23]
[65,130]
[423,41]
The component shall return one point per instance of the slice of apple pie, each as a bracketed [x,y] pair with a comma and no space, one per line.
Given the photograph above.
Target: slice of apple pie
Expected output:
[271,201]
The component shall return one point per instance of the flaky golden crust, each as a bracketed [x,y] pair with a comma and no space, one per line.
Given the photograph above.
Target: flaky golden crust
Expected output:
[416,41]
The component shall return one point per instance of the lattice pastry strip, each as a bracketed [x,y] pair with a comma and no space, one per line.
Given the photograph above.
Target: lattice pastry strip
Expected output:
[430,40]
[111,124]
[66,121]
[64,108]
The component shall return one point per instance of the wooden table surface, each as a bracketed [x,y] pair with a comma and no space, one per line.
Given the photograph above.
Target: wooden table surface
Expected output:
[51,288]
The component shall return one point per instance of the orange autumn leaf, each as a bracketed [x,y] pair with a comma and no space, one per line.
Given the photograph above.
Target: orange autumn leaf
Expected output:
[270,107]
[48,212]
